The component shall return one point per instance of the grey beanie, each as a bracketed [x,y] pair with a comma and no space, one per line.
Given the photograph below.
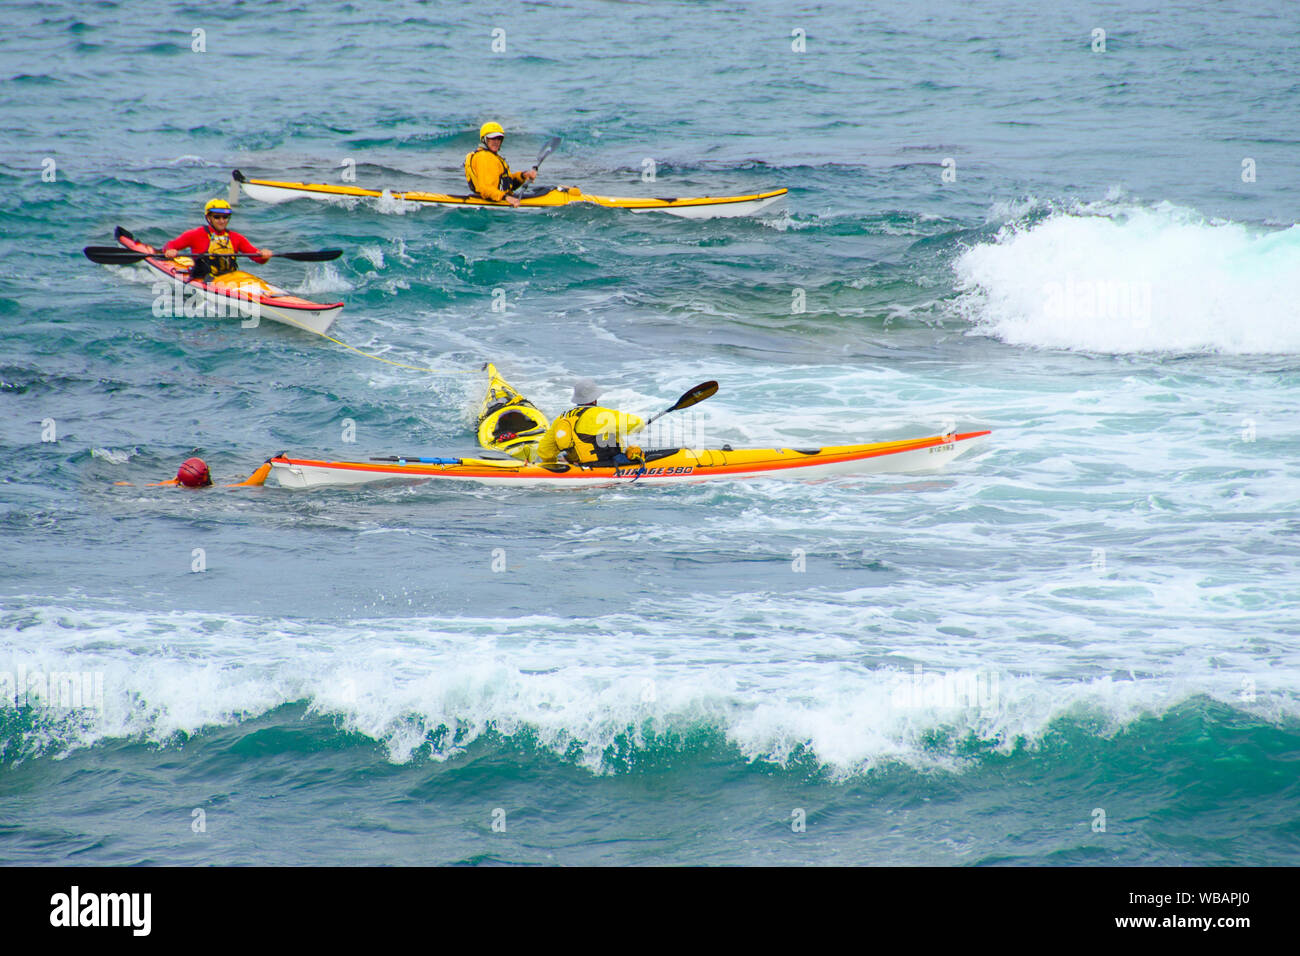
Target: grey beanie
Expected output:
[585,391]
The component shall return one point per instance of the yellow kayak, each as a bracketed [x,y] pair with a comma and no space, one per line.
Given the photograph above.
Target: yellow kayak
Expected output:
[698,207]
[507,421]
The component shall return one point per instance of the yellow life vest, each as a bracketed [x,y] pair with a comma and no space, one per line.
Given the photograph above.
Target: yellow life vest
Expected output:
[220,254]
[591,434]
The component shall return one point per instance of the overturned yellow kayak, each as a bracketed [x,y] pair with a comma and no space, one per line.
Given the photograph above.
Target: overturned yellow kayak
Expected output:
[699,207]
[507,421]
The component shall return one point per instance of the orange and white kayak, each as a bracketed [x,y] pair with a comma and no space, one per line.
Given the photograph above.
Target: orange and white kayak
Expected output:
[551,197]
[509,423]
[237,293]
[666,466]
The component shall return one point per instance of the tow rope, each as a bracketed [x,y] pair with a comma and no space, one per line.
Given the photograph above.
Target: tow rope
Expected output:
[377,358]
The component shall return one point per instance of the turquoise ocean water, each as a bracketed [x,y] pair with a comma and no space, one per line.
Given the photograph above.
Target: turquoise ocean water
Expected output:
[1077,647]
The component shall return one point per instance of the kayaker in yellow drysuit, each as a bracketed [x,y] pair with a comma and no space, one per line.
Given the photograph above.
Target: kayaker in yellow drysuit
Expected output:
[487,172]
[588,434]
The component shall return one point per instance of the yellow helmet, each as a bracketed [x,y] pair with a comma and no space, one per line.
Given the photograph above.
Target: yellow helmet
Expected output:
[490,129]
[217,206]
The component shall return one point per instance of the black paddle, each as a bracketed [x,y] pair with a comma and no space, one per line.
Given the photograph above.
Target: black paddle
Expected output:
[696,395]
[117,256]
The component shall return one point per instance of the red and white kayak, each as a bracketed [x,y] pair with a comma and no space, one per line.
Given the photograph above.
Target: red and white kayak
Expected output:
[239,294]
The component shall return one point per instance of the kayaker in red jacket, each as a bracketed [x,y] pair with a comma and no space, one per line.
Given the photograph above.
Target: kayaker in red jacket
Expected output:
[215,241]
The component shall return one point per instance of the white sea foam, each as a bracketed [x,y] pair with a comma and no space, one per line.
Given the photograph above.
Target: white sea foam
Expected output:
[373,254]
[850,684]
[114,456]
[785,222]
[323,277]
[389,204]
[1120,278]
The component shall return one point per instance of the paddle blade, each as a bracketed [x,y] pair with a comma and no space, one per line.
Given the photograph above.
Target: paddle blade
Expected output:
[319,255]
[696,395]
[113,255]
[547,150]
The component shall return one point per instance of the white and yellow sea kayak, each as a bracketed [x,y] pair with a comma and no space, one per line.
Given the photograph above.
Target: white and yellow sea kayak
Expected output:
[508,422]
[698,207]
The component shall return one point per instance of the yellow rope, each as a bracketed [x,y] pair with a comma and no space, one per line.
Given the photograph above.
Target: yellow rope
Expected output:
[353,348]
[414,368]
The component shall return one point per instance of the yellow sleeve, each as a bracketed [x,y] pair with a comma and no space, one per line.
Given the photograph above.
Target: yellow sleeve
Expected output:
[558,438]
[485,171]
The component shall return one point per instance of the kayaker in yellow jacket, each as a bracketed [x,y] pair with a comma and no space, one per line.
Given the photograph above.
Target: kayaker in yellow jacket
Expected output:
[486,170]
[588,434]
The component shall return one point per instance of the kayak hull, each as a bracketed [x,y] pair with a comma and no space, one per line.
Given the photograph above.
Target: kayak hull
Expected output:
[236,294]
[698,207]
[674,467]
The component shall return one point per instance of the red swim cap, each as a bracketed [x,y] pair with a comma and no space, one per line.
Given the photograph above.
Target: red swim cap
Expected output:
[194,474]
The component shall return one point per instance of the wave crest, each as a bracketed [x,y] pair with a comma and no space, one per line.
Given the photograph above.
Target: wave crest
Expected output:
[1135,279]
